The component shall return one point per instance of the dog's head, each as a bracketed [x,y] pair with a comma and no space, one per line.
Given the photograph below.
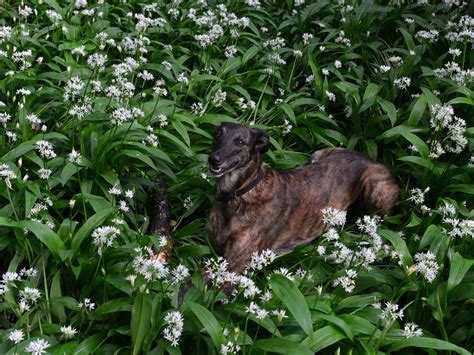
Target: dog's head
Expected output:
[234,146]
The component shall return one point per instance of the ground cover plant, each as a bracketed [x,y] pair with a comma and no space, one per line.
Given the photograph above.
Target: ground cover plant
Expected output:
[100,98]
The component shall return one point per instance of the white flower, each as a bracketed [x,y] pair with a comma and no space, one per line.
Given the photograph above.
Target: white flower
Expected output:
[280,314]
[104,237]
[347,282]
[16,336]
[390,313]
[45,149]
[260,260]
[385,68]
[182,78]
[179,274]
[30,295]
[129,194]
[333,217]
[402,83]
[337,64]
[5,117]
[115,190]
[321,250]
[331,96]
[87,305]
[307,37]
[248,286]
[123,206]
[230,348]
[152,269]
[37,347]
[68,331]
[174,328]
[426,265]
[74,157]
[417,196]
[411,330]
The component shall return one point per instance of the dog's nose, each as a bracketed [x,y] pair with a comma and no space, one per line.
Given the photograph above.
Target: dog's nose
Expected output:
[214,159]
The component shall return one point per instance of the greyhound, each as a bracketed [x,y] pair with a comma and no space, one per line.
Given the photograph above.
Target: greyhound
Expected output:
[258,208]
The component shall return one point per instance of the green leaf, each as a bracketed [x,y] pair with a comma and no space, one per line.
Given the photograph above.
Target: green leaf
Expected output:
[428,343]
[294,301]
[18,151]
[209,322]
[141,320]
[184,148]
[417,111]
[460,100]
[289,112]
[282,346]
[399,245]
[68,171]
[404,131]
[55,292]
[464,188]
[338,322]
[323,337]
[113,306]
[359,301]
[370,95]
[389,109]
[46,236]
[87,228]
[457,271]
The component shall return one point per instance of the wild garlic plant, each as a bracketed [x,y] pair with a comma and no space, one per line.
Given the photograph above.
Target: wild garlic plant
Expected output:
[100,98]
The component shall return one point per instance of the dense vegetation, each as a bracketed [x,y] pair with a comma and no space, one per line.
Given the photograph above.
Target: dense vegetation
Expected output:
[100,98]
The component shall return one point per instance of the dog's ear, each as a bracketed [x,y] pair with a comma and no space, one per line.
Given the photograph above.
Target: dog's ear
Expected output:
[261,140]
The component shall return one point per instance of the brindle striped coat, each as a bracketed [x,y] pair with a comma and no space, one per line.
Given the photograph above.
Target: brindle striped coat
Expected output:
[283,209]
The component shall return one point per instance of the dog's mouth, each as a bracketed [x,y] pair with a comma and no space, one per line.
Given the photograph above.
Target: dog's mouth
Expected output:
[221,170]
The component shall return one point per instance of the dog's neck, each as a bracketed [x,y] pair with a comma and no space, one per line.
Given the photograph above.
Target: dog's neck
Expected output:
[240,178]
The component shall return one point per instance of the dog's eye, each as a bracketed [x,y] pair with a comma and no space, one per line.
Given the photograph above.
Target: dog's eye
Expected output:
[240,142]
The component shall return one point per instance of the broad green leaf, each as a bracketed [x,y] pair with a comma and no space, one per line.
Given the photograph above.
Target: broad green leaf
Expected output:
[458,269]
[114,305]
[181,129]
[428,343]
[46,236]
[141,320]
[460,100]
[437,300]
[417,111]
[463,188]
[282,346]
[90,344]
[68,171]
[250,53]
[370,95]
[400,246]
[462,292]
[359,301]
[87,228]
[179,143]
[424,163]
[18,151]
[338,322]
[294,301]
[404,131]
[389,109]
[209,322]
[289,112]
[55,292]
[323,337]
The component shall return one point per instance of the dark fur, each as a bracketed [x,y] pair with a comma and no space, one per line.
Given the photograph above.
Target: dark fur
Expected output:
[284,209]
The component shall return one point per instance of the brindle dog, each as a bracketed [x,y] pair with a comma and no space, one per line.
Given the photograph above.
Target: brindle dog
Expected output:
[259,208]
